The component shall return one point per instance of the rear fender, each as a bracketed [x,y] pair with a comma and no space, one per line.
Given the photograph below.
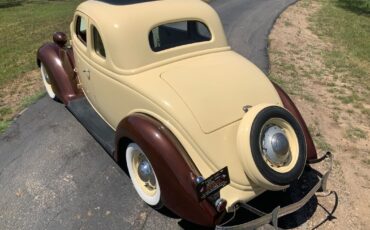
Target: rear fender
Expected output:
[59,64]
[290,106]
[174,169]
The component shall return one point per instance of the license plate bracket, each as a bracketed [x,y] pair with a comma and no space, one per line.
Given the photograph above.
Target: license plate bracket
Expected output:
[213,183]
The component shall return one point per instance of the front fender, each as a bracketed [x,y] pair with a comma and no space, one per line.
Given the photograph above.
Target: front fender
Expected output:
[174,169]
[59,64]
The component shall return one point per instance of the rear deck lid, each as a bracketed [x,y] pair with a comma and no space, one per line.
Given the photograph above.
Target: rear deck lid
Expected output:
[216,92]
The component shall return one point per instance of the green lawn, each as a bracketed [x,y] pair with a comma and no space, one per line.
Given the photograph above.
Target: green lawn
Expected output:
[346,24]
[24,28]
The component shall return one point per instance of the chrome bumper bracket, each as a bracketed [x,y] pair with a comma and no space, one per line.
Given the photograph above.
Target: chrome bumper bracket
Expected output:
[272,217]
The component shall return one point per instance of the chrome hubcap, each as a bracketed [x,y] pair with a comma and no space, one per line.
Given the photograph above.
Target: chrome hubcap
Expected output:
[145,172]
[275,145]
[280,144]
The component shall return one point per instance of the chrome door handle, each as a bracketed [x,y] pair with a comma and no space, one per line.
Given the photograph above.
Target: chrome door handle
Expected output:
[87,72]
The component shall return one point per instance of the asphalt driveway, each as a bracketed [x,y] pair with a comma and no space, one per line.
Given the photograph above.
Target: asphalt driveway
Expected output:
[53,174]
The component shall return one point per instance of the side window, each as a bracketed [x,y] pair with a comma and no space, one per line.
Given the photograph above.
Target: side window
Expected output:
[81,26]
[203,31]
[98,43]
[175,34]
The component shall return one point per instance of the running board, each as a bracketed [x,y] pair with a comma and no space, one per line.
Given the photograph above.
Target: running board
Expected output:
[93,123]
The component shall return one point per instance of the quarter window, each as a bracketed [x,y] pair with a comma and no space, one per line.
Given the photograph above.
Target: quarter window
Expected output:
[81,26]
[175,34]
[98,43]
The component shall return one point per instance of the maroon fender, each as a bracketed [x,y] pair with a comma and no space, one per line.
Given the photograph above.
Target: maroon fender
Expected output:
[59,63]
[174,168]
[290,106]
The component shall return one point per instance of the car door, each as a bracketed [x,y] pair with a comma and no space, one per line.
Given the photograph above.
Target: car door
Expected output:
[98,67]
[81,42]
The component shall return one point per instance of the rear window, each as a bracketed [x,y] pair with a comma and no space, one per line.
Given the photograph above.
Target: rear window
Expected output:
[175,34]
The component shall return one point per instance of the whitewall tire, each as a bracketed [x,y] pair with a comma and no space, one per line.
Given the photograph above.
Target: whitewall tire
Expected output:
[46,80]
[143,176]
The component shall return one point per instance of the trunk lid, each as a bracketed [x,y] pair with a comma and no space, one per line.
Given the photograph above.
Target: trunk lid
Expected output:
[217,87]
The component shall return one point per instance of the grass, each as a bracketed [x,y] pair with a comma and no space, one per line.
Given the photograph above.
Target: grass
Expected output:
[321,143]
[318,139]
[343,27]
[346,24]
[335,116]
[359,6]
[355,133]
[5,111]
[348,99]
[293,86]
[4,125]
[366,161]
[30,100]
[24,28]
[287,23]
[5,122]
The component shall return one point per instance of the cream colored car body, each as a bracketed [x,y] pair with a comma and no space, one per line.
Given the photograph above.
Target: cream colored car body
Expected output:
[197,90]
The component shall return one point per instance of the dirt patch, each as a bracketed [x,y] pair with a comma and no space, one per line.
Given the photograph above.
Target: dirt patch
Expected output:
[15,95]
[335,117]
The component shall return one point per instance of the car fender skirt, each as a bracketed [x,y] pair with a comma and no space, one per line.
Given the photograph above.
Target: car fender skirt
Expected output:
[174,169]
[290,106]
[59,64]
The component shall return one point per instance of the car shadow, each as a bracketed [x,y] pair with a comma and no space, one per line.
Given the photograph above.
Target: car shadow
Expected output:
[9,4]
[269,200]
[357,7]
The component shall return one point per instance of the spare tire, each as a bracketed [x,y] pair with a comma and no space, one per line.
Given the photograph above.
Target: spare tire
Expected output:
[272,146]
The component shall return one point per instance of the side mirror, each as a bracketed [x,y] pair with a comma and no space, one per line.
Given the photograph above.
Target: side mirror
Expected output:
[60,39]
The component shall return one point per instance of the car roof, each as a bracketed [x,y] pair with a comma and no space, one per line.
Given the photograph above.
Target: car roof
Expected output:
[125,25]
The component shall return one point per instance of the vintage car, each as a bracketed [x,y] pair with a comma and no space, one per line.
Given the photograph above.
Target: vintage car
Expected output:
[199,129]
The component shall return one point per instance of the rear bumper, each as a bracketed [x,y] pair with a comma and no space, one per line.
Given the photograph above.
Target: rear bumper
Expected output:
[266,218]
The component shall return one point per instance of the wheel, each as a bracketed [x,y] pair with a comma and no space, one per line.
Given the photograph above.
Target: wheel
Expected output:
[143,176]
[47,83]
[272,144]
[278,146]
